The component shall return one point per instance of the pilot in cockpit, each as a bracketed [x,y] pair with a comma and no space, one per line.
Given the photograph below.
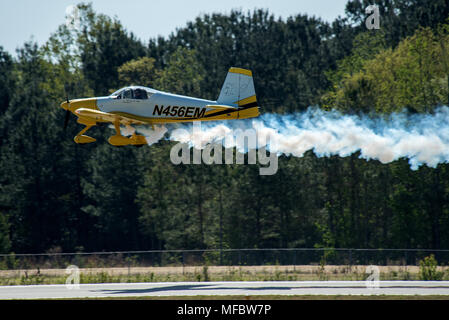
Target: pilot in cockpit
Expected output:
[140,94]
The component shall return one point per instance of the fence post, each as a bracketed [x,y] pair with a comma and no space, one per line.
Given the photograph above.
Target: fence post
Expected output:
[294,259]
[183,262]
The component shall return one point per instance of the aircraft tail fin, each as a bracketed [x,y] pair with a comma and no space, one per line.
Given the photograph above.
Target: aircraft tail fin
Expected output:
[238,89]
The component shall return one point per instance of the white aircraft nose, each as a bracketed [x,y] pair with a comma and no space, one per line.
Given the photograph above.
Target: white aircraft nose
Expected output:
[103,101]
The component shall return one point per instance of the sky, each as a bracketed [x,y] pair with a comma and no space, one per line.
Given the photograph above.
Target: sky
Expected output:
[24,20]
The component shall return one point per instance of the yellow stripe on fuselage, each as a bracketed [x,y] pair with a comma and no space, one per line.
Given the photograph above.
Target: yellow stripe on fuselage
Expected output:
[228,116]
[249,113]
[246,101]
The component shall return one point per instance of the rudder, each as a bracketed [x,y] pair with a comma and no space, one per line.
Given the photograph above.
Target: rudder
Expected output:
[238,89]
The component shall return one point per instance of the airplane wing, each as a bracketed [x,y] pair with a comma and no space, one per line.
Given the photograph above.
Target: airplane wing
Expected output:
[99,116]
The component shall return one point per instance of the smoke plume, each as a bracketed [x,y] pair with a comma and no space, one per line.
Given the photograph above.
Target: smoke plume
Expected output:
[422,138]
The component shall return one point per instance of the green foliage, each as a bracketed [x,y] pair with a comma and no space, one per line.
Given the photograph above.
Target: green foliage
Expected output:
[7,80]
[5,243]
[104,45]
[137,72]
[399,18]
[111,196]
[29,279]
[183,74]
[428,269]
[413,76]
[366,46]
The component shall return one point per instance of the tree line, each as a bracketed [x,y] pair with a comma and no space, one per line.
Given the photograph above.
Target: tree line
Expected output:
[57,195]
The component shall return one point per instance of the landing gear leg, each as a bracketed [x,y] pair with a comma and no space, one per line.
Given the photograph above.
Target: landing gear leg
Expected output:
[83,139]
[117,128]
[120,140]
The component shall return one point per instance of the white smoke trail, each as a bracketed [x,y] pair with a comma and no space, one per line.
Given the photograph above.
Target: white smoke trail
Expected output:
[152,136]
[422,138]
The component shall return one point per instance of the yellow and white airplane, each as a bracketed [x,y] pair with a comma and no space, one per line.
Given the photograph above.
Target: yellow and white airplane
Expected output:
[140,105]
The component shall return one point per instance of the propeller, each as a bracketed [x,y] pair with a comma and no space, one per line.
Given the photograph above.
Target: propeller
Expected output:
[67,113]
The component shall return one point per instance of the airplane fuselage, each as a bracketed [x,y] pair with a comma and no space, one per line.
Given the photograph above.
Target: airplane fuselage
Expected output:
[159,105]
[137,105]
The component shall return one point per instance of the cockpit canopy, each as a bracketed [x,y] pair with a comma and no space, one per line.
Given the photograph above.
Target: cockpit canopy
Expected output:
[133,93]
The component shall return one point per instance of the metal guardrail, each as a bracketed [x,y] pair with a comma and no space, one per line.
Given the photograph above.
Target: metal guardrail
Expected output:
[224,257]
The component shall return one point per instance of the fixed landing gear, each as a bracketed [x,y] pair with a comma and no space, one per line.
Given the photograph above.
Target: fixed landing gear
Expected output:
[116,140]
[119,140]
[80,138]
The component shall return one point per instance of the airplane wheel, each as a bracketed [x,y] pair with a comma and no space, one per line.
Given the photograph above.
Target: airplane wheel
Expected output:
[139,145]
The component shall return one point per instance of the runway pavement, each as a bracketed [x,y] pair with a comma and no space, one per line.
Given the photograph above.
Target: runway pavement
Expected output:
[130,290]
